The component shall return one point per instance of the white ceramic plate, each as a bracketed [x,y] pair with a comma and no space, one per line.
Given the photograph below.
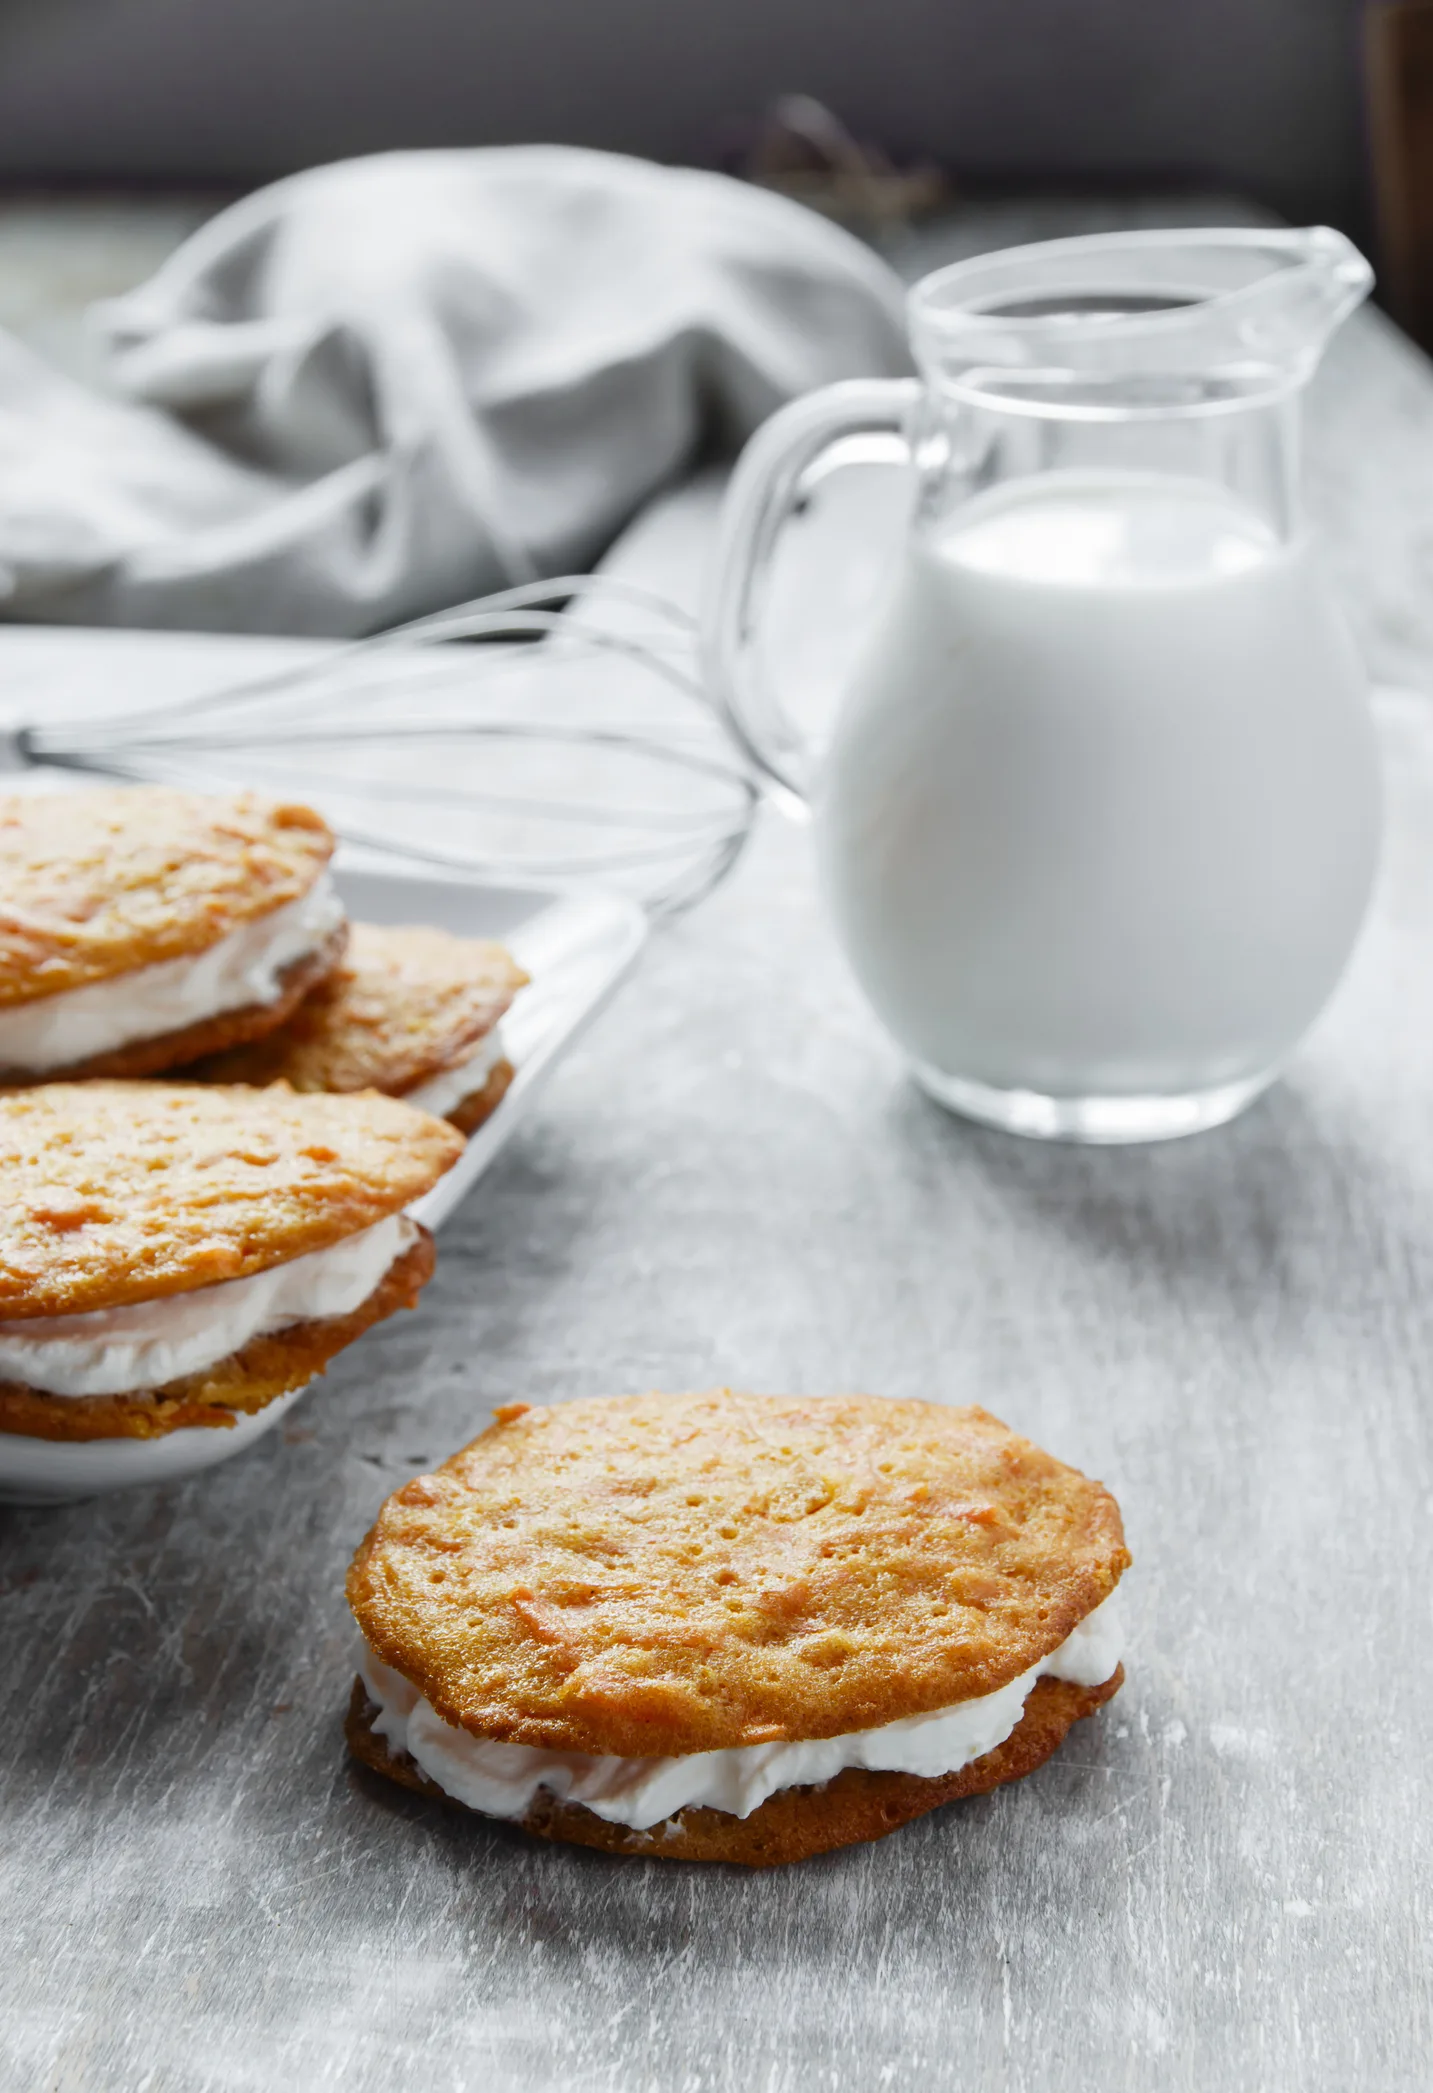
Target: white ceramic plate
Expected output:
[576,945]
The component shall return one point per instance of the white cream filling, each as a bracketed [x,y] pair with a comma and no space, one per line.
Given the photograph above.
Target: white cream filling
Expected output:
[122,1351]
[241,969]
[502,1779]
[445,1091]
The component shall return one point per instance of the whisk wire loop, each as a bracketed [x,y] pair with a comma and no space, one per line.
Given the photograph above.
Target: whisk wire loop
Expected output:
[650,792]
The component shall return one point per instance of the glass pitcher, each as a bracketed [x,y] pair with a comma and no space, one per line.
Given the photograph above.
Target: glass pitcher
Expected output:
[1100,817]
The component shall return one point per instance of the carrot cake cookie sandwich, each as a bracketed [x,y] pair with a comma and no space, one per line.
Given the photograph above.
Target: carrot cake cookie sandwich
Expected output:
[179,1255]
[141,927]
[732,1627]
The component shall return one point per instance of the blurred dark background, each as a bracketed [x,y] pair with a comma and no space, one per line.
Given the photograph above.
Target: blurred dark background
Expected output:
[1263,97]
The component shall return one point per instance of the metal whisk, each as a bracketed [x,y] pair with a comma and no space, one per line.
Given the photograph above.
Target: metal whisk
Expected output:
[554,731]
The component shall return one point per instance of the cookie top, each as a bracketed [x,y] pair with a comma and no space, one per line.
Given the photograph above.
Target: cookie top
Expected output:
[118,1192]
[95,884]
[659,1574]
[404,1005]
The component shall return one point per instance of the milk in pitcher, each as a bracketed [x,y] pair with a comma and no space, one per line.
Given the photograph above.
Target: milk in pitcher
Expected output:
[1101,814]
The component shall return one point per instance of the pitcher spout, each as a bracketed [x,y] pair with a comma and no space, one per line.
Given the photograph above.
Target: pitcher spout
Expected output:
[1291,315]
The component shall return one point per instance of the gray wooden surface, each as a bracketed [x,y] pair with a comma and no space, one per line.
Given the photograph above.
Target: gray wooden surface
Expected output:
[1222,1882]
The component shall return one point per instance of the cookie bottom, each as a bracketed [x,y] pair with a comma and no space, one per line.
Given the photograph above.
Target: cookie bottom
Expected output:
[248,1380]
[793,1824]
[227,1028]
[470,1112]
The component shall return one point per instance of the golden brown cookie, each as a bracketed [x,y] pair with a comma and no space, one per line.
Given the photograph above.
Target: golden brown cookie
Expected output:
[266,1368]
[119,1192]
[654,1575]
[404,1006]
[795,1823]
[96,884]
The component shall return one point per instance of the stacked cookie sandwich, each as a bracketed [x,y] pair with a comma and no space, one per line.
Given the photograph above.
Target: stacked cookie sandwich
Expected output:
[176,1255]
[141,927]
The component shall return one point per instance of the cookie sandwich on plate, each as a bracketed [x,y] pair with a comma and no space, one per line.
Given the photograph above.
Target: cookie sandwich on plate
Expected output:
[141,927]
[413,1012]
[178,1262]
[732,1627]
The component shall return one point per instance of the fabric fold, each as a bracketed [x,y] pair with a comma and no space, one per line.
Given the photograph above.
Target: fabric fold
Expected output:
[382,387]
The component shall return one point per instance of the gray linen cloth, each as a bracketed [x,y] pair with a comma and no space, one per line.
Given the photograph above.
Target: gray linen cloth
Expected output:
[385,386]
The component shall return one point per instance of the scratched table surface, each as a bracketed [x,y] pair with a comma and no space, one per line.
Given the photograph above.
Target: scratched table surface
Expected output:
[1221,1882]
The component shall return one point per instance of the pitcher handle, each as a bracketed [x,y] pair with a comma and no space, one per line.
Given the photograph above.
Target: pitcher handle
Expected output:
[781,460]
